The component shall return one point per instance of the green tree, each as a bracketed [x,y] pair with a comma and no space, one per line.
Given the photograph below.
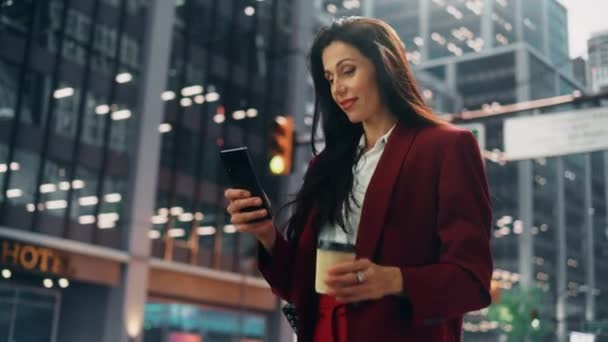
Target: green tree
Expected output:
[518,314]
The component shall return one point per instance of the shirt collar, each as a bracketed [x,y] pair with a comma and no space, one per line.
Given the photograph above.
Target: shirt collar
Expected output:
[383,139]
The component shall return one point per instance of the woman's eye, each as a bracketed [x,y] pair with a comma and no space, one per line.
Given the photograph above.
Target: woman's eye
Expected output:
[349,72]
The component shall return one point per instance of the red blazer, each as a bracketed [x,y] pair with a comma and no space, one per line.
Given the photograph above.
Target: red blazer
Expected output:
[427,211]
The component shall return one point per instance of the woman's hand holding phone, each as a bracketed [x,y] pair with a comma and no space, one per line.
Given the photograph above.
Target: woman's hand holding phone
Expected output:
[264,230]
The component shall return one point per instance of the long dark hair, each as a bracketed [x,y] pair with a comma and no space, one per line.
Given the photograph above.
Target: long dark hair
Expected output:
[329,179]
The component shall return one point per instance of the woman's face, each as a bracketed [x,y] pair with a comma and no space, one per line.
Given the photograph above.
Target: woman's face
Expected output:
[352,79]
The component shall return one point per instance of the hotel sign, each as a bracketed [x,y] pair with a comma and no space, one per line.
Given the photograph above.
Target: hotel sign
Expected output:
[32,258]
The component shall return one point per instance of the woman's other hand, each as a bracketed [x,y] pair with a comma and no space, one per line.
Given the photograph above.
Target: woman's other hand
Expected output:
[263,230]
[362,279]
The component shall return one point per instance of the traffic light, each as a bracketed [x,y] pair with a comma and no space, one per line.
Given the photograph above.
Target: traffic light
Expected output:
[495,291]
[282,145]
[534,319]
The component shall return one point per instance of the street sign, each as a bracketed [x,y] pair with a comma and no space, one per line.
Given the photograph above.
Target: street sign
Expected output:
[576,336]
[550,135]
[479,131]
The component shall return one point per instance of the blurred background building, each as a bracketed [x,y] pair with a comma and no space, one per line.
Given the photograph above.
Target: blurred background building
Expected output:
[597,47]
[112,112]
[580,72]
[112,218]
[489,51]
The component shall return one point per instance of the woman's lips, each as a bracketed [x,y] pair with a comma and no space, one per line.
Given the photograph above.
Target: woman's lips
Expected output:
[348,103]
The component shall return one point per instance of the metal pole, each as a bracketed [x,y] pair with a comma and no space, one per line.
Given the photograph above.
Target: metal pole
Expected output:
[560,307]
[13,319]
[126,303]
[519,21]
[424,27]
[487,24]
[589,241]
[56,314]
[524,178]
[546,48]
[526,215]
[368,8]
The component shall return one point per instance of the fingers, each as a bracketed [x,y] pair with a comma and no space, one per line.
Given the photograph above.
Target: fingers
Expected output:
[349,267]
[254,228]
[234,194]
[244,217]
[358,292]
[343,280]
[345,286]
[237,205]
[351,294]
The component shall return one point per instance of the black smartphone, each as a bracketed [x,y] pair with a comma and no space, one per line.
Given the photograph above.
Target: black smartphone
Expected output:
[239,167]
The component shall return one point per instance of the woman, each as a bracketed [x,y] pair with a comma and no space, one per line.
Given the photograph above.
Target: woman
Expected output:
[408,189]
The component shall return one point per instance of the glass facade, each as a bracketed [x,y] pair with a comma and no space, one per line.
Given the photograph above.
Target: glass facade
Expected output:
[487,80]
[71,99]
[404,17]
[541,80]
[503,22]
[226,80]
[599,221]
[557,21]
[69,88]
[532,20]
[69,111]
[455,28]
[437,32]
[597,47]
[493,79]
[20,306]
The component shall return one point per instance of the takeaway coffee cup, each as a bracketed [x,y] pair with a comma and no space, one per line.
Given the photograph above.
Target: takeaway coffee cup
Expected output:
[329,254]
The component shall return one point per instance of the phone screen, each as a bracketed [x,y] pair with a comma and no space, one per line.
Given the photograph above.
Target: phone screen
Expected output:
[241,174]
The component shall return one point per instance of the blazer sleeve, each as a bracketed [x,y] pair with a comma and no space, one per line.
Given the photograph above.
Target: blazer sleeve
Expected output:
[276,268]
[460,281]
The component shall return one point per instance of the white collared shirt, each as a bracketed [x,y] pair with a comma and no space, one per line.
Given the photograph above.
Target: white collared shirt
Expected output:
[362,172]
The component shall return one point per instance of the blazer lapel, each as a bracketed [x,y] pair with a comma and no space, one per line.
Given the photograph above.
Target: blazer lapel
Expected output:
[380,189]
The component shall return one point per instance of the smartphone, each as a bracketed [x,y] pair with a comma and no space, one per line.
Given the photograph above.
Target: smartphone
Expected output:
[238,166]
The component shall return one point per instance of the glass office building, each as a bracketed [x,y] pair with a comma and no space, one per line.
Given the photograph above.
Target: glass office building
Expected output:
[112,113]
[487,51]
[550,221]
[597,47]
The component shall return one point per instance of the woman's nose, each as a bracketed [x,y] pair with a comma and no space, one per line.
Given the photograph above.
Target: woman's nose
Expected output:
[339,88]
